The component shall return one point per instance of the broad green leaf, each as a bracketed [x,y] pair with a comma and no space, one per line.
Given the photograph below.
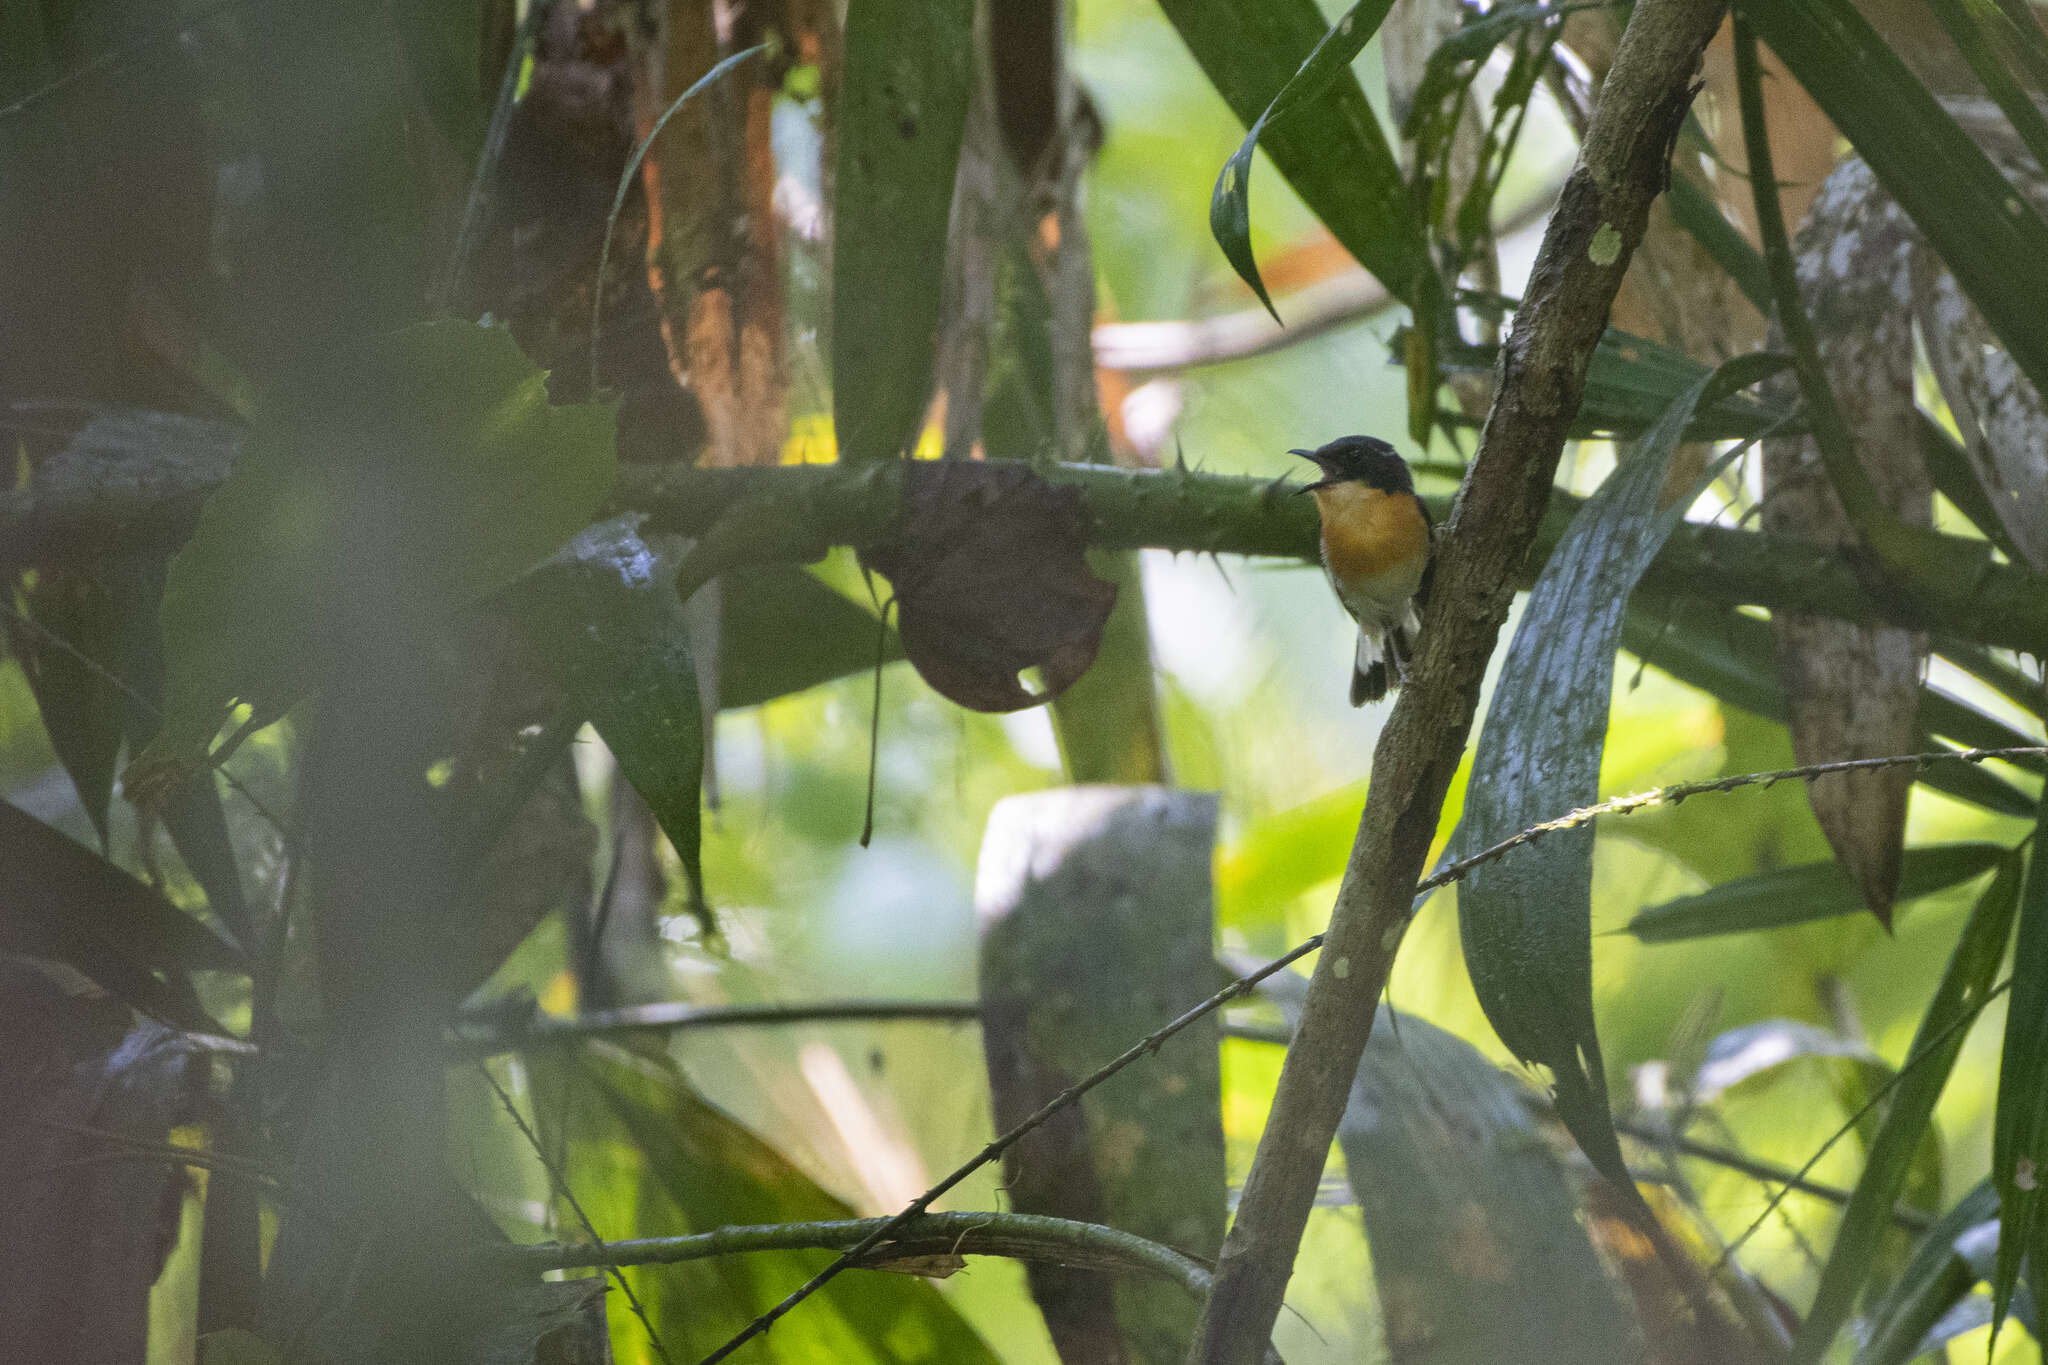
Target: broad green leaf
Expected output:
[1908,1117]
[1329,146]
[1810,891]
[906,74]
[1987,233]
[60,900]
[1526,919]
[2019,1139]
[604,619]
[647,1156]
[443,435]
[1230,204]
[781,631]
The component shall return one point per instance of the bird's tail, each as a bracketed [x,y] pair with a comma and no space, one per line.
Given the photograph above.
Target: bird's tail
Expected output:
[1381,663]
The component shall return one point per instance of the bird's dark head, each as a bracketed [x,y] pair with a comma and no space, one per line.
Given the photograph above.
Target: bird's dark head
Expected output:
[1362,459]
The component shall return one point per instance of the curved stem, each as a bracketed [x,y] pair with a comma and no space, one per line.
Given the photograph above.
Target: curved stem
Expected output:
[1019,1236]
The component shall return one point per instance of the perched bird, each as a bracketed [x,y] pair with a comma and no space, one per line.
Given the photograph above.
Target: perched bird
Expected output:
[1377,552]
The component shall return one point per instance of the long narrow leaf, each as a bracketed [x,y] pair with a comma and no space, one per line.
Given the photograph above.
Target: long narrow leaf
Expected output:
[1978,29]
[1799,895]
[1330,146]
[1946,1264]
[1721,651]
[1972,968]
[1984,228]
[1526,919]
[2019,1140]
[1230,204]
[903,106]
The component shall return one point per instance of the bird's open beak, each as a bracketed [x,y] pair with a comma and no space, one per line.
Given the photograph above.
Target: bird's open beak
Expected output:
[1323,482]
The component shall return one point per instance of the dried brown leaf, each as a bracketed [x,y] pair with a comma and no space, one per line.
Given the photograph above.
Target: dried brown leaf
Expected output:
[989,565]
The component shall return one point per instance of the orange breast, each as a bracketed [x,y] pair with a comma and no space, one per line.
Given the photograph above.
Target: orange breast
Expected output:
[1368,534]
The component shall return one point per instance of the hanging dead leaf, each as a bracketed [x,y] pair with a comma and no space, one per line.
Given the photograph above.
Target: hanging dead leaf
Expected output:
[989,565]
[1854,690]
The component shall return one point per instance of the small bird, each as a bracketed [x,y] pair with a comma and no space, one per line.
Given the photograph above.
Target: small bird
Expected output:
[1377,551]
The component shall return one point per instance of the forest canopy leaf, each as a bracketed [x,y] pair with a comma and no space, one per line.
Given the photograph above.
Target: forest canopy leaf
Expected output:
[2020,1128]
[1964,987]
[653,1154]
[781,631]
[60,900]
[441,430]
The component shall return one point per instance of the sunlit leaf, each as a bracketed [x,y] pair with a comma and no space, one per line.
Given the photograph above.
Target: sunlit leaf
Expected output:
[1526,919]
[1964,987]
[907,70]
[1810,891]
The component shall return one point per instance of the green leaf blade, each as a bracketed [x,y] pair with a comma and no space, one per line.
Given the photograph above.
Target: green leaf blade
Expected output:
[1802,894]
[1964,987]
[1286,76]
[604,618]
[2019,1140]
[908,74]
[1986,231]
[1526,920]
